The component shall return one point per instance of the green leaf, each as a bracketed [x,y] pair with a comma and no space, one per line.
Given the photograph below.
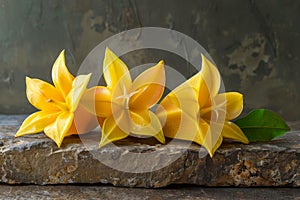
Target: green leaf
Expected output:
[262,125]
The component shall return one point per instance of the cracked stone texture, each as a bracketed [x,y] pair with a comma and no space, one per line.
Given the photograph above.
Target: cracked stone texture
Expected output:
[253,42]
[35,159]
[175,192]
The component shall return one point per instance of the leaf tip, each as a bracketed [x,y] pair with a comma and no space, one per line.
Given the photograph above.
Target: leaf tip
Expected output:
[59,141]
[108,51]
[58,144]
[211,154]
[89,75]
[162,62]
[161,138]
[20,133]
[63,52]
[103,142]
[28,80]
[203,57]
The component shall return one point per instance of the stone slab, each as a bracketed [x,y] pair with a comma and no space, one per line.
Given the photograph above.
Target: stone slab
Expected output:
[103,192]
[35,159]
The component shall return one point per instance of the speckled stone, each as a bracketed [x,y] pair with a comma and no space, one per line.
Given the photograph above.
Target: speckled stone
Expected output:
[35,159]
[94,192]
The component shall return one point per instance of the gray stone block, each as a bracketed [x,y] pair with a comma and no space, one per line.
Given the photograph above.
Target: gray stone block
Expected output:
[35,159]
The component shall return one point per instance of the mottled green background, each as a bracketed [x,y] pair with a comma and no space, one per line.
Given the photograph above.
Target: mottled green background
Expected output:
[256,44]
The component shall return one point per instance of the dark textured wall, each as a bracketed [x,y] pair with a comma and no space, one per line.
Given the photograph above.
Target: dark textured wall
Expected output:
[256,44]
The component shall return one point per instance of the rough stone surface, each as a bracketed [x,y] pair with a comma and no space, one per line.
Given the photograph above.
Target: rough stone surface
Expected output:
[36,159]
[107,192]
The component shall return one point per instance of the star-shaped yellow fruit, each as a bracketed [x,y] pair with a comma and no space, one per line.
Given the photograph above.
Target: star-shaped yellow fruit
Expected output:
[123,106]
[195,110]
[57,105]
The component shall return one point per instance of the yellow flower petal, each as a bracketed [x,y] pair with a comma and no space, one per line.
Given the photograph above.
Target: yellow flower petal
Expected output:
[149,87]
[232,131]
[180,125]
[150,127]
[36,122]
[97,100]
[111,132]
[209,82]
[83,121]
[58,129]
[42,95]
[215,147]
[210,134]
[140,117]
[78,88]
[170,118]
[101,121]
[61,76]
[193,82]
[178,113]
[114,69]
[233,101]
